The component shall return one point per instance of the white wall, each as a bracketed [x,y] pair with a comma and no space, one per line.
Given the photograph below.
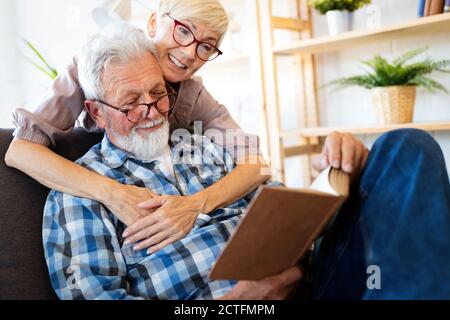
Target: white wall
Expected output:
[9,75]
[57,28]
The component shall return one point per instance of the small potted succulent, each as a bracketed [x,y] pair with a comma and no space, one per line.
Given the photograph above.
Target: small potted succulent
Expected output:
[339,13]
[393,84]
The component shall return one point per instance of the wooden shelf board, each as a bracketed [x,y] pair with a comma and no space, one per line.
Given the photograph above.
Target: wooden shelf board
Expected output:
[432,24]
[325,131]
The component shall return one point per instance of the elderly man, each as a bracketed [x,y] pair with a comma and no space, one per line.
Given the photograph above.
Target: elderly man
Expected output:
[86,253]
[388,240]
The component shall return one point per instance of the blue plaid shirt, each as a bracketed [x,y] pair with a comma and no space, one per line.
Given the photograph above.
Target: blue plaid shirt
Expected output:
[82,239]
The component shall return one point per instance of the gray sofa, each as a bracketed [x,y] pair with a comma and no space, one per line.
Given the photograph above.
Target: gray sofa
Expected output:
[23,272]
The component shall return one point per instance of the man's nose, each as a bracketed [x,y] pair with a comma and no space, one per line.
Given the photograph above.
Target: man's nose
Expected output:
[154,114]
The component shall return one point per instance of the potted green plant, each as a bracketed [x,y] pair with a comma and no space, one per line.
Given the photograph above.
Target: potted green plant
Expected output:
[393,84]
[339,13]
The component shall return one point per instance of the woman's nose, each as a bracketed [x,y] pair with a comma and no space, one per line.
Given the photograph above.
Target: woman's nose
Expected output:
[190,52]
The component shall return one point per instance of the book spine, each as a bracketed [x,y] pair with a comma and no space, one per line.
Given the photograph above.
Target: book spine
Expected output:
[437,7]
[426,11]
[421,9]
[447,6]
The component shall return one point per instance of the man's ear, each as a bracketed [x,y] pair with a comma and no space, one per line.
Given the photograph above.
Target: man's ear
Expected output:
[96,112]
[152,25]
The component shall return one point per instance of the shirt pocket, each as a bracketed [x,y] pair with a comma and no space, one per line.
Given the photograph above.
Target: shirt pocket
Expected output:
[202,220]
[133,257]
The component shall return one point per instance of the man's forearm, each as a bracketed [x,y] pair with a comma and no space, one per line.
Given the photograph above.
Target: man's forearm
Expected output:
[246,177]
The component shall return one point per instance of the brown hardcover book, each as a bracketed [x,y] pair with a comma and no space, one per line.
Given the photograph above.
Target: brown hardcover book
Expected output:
[437,7]
[279,227]
[426,12]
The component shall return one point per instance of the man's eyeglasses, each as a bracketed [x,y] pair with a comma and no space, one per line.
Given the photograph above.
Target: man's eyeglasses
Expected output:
[138,112]
[185,37]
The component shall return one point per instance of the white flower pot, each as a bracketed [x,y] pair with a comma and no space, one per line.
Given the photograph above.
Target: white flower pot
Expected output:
[339,21]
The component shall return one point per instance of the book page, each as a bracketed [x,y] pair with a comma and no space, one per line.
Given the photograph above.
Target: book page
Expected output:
[322,183]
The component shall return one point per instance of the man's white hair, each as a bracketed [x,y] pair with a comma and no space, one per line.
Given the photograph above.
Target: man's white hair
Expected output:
[123,44]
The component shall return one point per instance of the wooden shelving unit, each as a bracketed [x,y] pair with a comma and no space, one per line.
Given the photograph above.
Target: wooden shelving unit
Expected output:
[307,139]
[432,24]
[321,132]
[301,26]
[325,131]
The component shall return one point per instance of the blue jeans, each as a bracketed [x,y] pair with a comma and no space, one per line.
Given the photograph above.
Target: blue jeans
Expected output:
[396,219]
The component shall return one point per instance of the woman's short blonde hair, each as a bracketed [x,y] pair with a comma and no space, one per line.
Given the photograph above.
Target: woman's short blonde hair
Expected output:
[209,12]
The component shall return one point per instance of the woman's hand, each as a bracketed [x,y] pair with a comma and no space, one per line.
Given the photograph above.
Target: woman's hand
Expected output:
[173,219]
[124,200]
[342,150]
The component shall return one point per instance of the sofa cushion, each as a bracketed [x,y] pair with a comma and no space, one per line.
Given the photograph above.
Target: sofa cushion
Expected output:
[23,271]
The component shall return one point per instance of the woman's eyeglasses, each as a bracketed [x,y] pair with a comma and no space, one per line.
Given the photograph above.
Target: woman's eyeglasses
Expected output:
[185,37]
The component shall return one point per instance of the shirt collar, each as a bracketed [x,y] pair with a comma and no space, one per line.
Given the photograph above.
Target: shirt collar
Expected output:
[112,155]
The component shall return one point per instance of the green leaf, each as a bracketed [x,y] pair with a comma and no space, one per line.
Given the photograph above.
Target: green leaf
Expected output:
[429,84]
[365,81]
[48,73]
[382,73]
[408,56]
[440,65]
[48,70]
[323,6]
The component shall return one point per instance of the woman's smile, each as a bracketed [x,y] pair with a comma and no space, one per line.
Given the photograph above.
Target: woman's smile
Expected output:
[177,62]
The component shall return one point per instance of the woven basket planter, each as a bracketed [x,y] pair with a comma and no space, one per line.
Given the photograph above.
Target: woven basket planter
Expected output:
[394,104]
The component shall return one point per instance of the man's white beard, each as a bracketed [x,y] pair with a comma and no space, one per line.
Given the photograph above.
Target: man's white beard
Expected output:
[144,147]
